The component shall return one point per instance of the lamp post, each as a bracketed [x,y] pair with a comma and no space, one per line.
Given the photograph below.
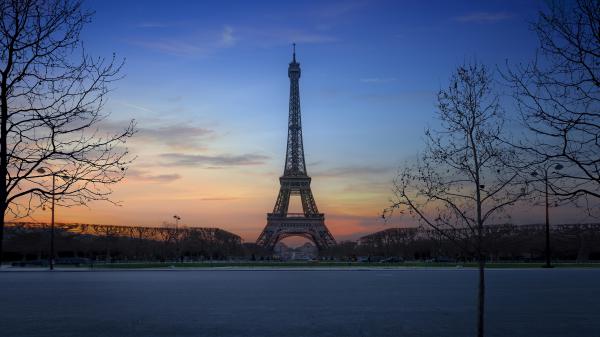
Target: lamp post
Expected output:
[43,170]
[177,218]
[557,167]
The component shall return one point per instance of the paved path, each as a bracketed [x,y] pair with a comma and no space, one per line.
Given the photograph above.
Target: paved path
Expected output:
[378,303]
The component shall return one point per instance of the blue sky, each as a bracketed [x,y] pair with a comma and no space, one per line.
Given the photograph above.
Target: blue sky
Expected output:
[368,66]
[207,83]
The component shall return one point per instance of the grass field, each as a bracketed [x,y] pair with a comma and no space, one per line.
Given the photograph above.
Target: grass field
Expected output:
[322,264]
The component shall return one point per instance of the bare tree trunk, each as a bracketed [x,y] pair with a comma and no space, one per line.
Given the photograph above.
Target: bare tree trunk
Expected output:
[1,231]
[481,265]
[3,157]
[481,295]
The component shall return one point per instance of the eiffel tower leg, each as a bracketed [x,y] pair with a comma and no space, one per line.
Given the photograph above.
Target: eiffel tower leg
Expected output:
[308,202]
[283,200]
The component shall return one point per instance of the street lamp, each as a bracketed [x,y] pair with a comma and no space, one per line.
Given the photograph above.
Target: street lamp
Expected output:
[177,218]
[43,170]
[557,167]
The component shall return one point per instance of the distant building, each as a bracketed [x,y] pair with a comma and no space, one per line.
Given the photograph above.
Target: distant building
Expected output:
[307,251]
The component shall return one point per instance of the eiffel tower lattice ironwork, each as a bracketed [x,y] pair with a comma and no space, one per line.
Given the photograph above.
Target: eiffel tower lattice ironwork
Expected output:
[295,181]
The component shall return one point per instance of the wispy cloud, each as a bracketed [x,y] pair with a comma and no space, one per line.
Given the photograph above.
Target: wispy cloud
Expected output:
[139,175]
[223,160]
[277,35]
[370,186]
[307,37]
[396,96]
[378,79]
[190,45]
[136,107]
[152,24]
[184,136]
[484,17]
[176,136]
[172,46]
[353,171]
[227,38]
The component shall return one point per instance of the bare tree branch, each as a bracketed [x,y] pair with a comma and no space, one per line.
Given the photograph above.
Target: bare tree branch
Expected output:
[52,95]
[558,96]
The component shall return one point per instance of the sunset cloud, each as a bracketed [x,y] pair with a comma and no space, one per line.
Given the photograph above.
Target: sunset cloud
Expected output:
[145,176]
[353,171]
[182,159]
[176,136]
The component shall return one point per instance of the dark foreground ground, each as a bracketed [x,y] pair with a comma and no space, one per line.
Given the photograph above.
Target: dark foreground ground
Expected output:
[379,303]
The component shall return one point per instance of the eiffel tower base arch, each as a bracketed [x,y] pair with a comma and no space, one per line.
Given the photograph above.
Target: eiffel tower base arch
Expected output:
[280,227]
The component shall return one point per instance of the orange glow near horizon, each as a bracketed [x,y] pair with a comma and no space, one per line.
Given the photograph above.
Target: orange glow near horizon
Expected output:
[223,198]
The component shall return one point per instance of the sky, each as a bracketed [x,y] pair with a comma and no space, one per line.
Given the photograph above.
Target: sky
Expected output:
[206,82]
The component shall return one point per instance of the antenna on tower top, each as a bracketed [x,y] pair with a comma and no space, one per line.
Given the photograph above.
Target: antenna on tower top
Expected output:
[294,49]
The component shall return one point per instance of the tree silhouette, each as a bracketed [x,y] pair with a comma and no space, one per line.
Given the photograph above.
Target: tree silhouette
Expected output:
[558,95]
[51,98]
[462,180]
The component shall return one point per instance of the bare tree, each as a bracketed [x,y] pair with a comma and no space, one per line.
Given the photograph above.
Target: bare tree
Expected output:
[462,179]
[51,98]
[558,95]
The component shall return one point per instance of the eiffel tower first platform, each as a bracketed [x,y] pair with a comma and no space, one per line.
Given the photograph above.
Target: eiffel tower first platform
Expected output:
[295,181]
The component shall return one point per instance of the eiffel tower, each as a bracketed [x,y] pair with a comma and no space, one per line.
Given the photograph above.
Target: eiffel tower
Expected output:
[295,181]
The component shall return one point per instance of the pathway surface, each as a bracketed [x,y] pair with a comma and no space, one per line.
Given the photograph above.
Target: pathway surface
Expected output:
[378,303]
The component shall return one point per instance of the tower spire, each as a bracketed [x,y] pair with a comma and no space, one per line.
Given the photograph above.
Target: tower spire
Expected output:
[294,160]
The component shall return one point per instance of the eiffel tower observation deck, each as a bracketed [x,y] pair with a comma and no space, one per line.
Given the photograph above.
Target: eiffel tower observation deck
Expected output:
[295,182]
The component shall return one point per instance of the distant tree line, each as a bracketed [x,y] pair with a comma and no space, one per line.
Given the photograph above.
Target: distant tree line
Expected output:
[30,241]
[102,243]
[577,242]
